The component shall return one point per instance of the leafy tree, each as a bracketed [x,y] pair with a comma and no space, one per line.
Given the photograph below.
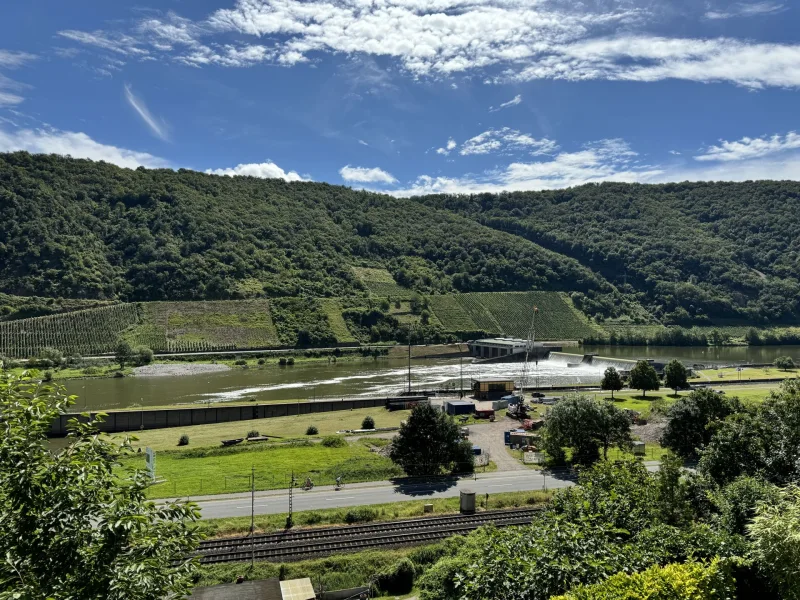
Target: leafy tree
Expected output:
[785,363]
[611,381]
[585,425]
[675,375]
[737,502]
[54,357]
[77,524]
[644,377]
[428,443]
[123,353]
[691,420]
[672,492]
[368,423]
[775,536]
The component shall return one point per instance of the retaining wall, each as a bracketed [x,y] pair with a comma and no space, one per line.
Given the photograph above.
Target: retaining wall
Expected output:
[135,420]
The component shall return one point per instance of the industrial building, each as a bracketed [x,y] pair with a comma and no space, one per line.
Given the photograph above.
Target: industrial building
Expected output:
[502,347]
[491,389]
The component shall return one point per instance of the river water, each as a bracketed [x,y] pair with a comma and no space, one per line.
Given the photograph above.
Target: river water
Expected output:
[382,377]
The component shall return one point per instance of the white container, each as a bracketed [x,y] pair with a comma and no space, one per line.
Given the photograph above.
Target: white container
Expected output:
[467,502]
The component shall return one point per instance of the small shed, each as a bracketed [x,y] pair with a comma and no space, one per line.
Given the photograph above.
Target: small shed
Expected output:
[459,407]
[639,448]
[484,410]
[492,389]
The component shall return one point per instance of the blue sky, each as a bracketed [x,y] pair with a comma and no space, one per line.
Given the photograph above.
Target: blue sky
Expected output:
[410,96]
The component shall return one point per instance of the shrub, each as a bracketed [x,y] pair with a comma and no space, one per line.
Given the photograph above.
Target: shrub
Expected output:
[690,581]
[240,363]
[144,356]
[397,579]
[312,430]
[362,514]
[290,360]
[253,434]
[261,361]
[90,371]
[48,376]
[184,441]
[311,518]
[334,441]
[282,361]
[118,374]
[368,423]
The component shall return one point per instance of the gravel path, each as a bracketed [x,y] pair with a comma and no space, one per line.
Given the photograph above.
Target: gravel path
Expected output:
[489,437]
[175,370]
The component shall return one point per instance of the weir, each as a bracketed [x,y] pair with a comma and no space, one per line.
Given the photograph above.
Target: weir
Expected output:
[600,362]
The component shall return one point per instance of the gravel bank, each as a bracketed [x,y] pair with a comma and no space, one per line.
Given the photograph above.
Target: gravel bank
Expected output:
[176,370]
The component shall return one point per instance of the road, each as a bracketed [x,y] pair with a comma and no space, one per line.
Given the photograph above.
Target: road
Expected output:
[277,501]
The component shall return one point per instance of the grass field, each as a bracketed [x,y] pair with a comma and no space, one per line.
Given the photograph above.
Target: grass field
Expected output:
[201,436]
[333,310]
[380,282]
[712,375]
[510,313]
[374,513]
[221,470]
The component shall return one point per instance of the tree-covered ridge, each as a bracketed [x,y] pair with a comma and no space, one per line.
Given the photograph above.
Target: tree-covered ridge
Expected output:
[77,228]
[688,251]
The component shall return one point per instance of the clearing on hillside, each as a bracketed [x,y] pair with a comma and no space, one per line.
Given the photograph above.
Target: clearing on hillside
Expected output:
[333,310]
[380,282]
[84,332]
[509,313]
[205,326]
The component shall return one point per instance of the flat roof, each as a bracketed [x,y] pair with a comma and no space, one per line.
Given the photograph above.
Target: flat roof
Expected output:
[489,380]
[504,341]
[460,402]
[298,589]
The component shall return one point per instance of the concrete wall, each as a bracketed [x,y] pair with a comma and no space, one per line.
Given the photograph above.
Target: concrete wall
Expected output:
[135,420]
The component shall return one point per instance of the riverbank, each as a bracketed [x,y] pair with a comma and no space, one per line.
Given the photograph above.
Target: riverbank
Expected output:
[178,369]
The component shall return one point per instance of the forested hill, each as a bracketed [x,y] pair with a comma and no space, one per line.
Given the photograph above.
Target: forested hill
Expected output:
[685,252]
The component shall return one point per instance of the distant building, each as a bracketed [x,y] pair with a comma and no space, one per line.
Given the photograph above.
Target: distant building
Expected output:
[495,347]
[491,389]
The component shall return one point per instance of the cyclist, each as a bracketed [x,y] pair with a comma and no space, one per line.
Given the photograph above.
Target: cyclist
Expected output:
[309,484]
[339,481]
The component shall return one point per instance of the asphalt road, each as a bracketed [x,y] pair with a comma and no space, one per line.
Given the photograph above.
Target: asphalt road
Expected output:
[277,501]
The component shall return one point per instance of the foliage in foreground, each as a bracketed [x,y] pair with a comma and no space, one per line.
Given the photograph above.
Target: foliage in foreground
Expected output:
[690,581]
[75,525]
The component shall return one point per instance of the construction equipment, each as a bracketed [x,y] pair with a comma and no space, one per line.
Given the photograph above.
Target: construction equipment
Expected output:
[530,349]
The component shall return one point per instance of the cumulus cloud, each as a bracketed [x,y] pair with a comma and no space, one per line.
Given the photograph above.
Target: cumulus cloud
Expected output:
[746,10]
[513,102]
[747,148]
[447,148]
[77,145]
[265,170]
[156,126]
[366,175]
[506,141]
[507,40]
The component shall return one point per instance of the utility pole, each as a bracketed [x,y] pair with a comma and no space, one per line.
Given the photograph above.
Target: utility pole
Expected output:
[461,377]
[252,516]
[289,520]
[409,361]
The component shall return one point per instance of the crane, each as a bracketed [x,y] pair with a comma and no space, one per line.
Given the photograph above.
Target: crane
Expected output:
[530,347]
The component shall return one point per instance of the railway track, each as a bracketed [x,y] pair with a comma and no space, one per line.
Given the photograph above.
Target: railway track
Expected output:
[308,543]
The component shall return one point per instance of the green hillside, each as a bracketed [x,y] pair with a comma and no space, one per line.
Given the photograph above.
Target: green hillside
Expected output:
[691,254]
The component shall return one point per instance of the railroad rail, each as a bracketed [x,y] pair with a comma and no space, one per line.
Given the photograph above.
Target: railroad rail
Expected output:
[308,543]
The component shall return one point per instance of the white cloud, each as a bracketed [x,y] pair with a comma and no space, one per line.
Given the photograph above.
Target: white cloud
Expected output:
[746,10]
[747,148]
[513,102]
[507,141]
[113,42]
[675,152]
[157,127]
[12,60]
[77,145]
[363,143]
[265,170]
[448,147]
[366,175]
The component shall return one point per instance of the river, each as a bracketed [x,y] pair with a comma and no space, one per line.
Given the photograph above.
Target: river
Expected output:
[382,377]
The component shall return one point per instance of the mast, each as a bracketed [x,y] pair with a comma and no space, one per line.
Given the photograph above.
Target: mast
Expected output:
[530,346]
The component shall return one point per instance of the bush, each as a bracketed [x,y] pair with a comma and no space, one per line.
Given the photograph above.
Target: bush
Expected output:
[334,441]
[362,514]
[184,441]
[253,434]
[368,423]
[312,430]
[397,579]
[261,361]
[690,581]
[144,356]
[91,371]
[290,360]
[48,376]
[282,361]
[240,363]
[119,374]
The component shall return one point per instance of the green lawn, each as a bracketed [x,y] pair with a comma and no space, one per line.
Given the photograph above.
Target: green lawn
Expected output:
[712,375]
[221,470]
[286,427]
